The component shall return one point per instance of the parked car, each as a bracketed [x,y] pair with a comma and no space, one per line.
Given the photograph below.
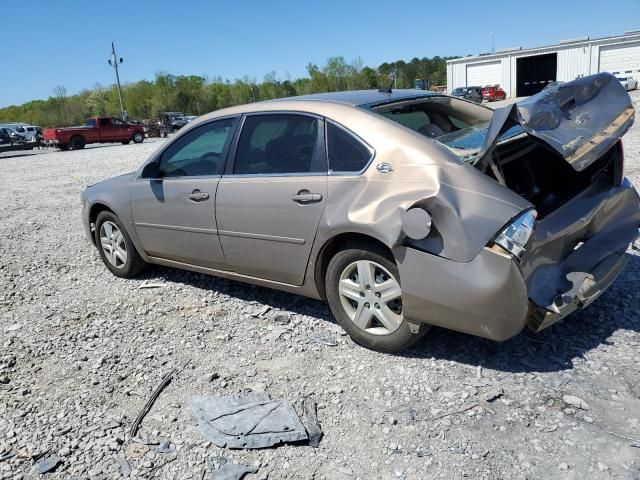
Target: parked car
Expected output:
[18,129]
[29,132]
[446,215]
[470,93]
[629,83]
[95,130]
[8,136]
[492,93]
[173,120]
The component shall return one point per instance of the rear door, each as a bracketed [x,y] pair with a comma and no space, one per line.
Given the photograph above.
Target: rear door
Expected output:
[173,212]
[271,198]
[108,131]
[122,131]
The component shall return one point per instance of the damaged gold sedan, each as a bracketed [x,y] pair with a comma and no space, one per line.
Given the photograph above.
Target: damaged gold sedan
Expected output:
[403,209]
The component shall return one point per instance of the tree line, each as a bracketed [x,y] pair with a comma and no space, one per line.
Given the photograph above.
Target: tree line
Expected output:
[196,95]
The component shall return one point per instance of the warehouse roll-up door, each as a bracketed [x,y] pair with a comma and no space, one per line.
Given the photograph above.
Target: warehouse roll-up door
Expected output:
[481,74]
[620,59]
[534,72]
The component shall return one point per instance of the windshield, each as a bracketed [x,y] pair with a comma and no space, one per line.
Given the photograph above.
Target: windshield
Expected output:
[458,90]
[622,79]
[459,126]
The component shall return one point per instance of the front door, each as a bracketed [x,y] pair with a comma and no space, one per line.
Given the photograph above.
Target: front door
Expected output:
[270,201]
[173,212]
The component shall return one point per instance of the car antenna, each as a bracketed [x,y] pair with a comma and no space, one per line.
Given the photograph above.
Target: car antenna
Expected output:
[393,80]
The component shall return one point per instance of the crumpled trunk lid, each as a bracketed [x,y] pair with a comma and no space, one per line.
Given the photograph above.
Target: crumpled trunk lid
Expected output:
[579,120]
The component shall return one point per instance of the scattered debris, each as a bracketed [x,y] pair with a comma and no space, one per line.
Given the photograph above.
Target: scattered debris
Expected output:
[275,334]
[165,447]
[310,421]
[252,421]
[46,463]
[136,450]
[575,402]
[635,443]
[7,455]
[323,339]
[232,471]
[262,312]
[166,379]
[462,410]
[148,284]
[493,394]
[125,468]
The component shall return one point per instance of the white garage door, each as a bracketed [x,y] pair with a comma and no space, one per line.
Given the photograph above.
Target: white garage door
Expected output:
[621,59]
[481,74]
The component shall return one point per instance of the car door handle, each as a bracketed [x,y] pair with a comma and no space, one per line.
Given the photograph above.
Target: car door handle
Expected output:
[304,197]
[198,196]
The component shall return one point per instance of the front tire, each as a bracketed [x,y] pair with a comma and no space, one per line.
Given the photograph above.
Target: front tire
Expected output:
[116,248]
[138,137]
[364,294]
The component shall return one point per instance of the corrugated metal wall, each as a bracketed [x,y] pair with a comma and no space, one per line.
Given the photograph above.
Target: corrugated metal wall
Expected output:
[573,61]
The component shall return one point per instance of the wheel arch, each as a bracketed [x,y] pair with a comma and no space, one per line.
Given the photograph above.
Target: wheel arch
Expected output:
[340,242]
[94,211]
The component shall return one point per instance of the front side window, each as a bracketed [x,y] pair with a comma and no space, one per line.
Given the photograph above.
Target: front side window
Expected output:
[91,122]
[279,144]
[198,152]
[346,153]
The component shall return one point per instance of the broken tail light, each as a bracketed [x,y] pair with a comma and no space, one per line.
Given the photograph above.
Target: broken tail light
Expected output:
[516,235]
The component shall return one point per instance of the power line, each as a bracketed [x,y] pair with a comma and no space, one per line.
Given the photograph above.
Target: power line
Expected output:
[114,62]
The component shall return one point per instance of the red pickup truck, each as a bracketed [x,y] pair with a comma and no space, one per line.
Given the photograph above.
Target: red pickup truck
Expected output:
[95,130]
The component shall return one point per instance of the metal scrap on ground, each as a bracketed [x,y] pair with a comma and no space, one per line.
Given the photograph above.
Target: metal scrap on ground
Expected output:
[310,421]
[232,471]
[252,421]
[46,463]
[166,379]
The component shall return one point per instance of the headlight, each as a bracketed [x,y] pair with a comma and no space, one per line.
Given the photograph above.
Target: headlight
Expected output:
[515,236]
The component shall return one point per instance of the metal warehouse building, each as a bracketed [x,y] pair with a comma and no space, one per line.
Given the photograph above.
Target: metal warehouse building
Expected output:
[522,72]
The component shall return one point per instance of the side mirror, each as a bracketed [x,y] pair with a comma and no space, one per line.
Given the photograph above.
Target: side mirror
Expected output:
[151,170]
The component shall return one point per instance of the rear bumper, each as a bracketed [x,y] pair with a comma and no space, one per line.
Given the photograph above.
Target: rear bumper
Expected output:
[486,297]
[495,297]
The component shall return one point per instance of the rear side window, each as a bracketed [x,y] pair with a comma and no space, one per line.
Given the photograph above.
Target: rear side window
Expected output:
[279,144]
[347,154]
[91,122]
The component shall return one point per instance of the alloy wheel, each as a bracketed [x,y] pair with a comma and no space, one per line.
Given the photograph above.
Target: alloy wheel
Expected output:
[371,297]
[113,244]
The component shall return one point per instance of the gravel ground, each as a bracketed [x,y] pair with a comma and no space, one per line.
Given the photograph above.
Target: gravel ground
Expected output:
[82,351]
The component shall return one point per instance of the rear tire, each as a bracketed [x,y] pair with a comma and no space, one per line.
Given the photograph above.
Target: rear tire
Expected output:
[63,147]
[359,304]
[126,142]
[138,137]
[77,143]
[116,248]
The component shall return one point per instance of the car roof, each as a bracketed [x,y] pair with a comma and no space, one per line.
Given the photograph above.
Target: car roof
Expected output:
[362,98]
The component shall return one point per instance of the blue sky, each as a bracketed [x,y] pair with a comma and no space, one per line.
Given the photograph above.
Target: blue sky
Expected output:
[49,43]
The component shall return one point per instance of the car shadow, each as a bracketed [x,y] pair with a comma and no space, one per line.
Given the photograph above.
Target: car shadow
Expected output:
[553,349]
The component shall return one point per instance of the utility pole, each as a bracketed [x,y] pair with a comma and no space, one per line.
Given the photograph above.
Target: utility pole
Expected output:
[114,62]
[493,43]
